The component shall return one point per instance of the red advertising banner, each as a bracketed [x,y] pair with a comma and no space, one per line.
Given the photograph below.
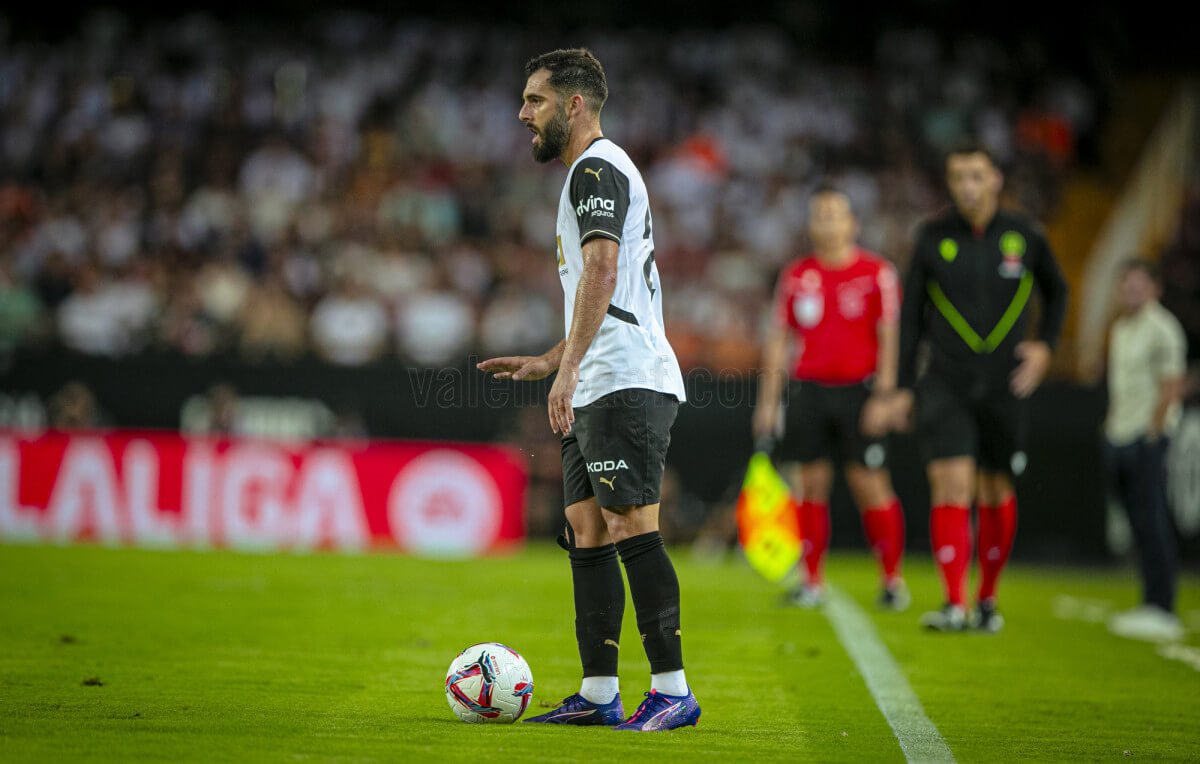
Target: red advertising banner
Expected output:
[162,489]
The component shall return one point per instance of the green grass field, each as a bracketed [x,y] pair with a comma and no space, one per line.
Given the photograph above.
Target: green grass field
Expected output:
[121,655]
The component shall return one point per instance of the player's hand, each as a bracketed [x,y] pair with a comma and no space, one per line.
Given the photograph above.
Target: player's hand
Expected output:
[900,410]
[562,413]
[766,419]
[877,415]
[517,367]
[1035,360]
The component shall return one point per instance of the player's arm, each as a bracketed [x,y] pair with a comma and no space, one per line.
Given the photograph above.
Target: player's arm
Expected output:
[599,192]
[596,286]
[876,414]
[770,388]
[525,367]
[1035,354]
[910,330]
[1172,363]
[774,365]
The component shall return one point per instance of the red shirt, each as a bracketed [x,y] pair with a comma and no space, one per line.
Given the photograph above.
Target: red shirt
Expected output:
[834,315]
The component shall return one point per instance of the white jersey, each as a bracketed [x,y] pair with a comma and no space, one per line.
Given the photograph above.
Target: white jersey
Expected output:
[605,196]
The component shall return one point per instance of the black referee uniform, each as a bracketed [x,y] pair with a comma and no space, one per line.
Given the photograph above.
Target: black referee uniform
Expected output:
[968,294]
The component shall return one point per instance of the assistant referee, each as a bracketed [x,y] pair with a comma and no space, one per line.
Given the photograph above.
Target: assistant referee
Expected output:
[968,295]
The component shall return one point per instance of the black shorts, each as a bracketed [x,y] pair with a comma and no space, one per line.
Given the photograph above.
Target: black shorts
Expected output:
[617,448]
[825,422]
[957,419]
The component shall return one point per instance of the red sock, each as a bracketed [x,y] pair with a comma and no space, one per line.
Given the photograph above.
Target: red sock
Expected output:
[950,532]
[884,526]
[814,527]
[997,528]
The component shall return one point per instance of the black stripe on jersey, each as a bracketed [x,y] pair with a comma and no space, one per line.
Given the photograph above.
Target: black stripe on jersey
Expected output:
[600,196]
[622,315]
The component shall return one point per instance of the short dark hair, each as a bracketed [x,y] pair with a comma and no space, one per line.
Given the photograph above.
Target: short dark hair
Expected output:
[1145,266]
[829,187]
[573,70]
[969,146]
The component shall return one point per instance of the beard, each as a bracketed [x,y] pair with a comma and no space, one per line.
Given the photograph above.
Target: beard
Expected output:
[554,138]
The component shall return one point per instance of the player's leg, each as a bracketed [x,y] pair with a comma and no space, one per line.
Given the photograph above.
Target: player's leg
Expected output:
[865,463]
[599,593]
[624,437]
[883,523]
[1144,496]
[807,445]
[654,587]
[950,439]
[1001,421]
[997,529]
[812,483]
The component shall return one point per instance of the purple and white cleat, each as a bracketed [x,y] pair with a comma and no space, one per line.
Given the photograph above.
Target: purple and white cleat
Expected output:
[582,712]
[659,713]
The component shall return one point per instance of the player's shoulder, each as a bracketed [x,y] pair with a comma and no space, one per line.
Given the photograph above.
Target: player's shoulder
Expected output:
[873,262]
[1027,225]
[940,225]
[1165,320]
[603,154]
[798,266]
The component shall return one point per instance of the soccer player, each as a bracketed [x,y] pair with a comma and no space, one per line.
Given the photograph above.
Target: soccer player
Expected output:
[967,293]
[836,314]
[613,401]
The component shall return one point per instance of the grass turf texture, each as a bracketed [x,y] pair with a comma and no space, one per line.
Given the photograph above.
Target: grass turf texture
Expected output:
[115,655]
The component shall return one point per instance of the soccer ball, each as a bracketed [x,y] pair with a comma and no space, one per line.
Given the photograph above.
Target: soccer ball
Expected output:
[489,683]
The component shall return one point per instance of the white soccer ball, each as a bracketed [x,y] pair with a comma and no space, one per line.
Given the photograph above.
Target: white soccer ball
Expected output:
[489,683]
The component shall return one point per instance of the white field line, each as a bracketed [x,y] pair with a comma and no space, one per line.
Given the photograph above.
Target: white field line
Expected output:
[919,739]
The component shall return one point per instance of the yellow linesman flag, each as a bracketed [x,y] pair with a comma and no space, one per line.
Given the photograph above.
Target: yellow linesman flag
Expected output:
[768,526]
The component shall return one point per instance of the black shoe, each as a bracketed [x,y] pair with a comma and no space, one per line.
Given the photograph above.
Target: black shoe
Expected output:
[985,617]
[894,597]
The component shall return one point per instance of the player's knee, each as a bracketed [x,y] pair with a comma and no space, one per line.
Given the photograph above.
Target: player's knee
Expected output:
[994,489]
[627,522]
[871,487]
[591,536]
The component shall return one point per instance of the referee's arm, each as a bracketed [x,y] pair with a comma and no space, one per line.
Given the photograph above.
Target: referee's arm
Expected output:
[912,316]
[1055,292]
[1034,357]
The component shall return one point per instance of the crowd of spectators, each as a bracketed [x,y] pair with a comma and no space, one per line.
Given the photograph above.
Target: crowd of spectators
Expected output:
[363,188]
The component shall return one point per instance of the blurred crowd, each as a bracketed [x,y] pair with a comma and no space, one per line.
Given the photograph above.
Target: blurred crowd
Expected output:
[363,188]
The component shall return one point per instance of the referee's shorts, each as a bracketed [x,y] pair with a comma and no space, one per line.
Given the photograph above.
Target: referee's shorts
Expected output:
[824,422]
[956,419]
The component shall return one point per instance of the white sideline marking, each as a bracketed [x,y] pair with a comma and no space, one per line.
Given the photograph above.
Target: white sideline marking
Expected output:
[918,737]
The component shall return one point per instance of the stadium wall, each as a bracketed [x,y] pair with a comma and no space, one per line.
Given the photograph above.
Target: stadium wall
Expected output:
[1063,508]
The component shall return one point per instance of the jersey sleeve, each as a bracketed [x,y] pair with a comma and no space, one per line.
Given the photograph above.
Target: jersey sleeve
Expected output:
[889,293]
[781,310]
[1054,290]
[1171,355]
[912,312]
[600,197]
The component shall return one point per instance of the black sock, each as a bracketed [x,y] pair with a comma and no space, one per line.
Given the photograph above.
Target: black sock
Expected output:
[599,605]
[655,590]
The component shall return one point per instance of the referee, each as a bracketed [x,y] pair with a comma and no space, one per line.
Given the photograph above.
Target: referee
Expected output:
[967,294]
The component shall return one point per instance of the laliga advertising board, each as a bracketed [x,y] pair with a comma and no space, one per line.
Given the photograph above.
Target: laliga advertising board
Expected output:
[162,489]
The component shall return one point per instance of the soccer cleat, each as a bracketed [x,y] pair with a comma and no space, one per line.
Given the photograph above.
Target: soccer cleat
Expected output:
[806,596]
[985,617]
[582,712]
[659,713]
[949,618]
[895,597]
